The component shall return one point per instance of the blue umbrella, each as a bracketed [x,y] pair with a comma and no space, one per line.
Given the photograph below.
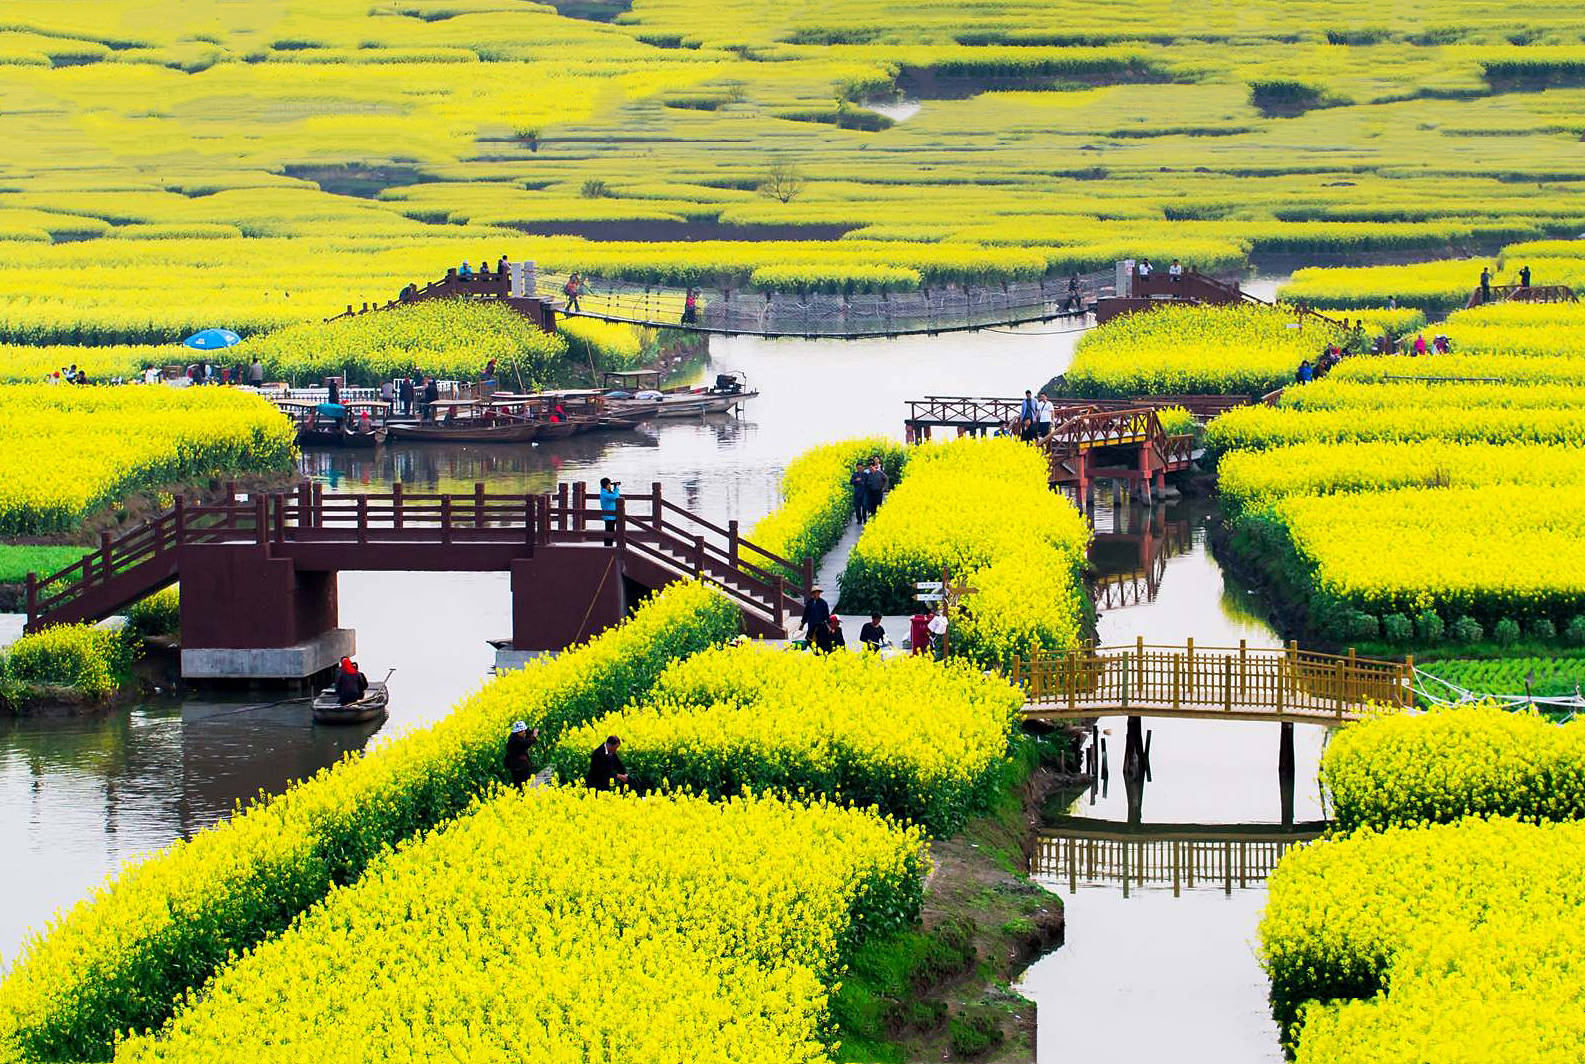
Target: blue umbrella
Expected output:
[213,339]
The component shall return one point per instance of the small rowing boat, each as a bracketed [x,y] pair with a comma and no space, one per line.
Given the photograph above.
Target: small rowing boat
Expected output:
[372,706]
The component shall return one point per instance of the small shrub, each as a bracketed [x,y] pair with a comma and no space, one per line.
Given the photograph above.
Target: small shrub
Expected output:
[1506,632]
[1468,630]
[92,661]
[159,614]
[974,1031]
[1542,630]
[1574,634]
[1428,627]
[1396,628]
[1363,625]
[595,188]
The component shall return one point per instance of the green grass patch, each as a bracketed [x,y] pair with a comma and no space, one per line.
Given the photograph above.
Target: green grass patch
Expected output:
[18,560]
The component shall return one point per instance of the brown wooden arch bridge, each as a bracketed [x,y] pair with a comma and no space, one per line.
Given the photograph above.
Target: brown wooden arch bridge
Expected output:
[259,572]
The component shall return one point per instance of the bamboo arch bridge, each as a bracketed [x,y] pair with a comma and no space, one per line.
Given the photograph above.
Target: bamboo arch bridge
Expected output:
[1283,684]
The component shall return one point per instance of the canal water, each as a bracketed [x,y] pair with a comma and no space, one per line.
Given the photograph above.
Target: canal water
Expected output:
[79,797]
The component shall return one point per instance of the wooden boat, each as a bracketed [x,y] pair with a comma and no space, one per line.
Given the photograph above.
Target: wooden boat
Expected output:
[643,396]
[314,430]
[321,436]
[372,706]
[469,421]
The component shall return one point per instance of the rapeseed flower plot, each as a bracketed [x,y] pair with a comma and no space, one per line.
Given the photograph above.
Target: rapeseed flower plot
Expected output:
[1192,350]
[1456,942]
[123,957]
[915,738]
[980,508]
[66,451]
[1450,763]
[561,924]
[444,338]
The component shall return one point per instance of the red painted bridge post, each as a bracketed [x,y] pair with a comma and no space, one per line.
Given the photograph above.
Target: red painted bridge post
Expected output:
[178,519]
[261,530]
[478,504]
[561,506]
[33,596]
[104,550]
[731,542]
[396,505]
[655,504]
[445,518]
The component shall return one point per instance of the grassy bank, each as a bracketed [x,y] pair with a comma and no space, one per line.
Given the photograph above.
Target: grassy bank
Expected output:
[943,990]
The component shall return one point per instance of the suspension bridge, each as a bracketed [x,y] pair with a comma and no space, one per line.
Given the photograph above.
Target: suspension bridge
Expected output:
[815,312]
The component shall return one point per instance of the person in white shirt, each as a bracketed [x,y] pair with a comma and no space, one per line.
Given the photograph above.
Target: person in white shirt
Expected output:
[1175,271]
[1144,267]
[1043,414]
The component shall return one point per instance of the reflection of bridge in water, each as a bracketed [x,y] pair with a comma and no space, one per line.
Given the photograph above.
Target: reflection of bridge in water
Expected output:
[1131,560]
[1085,852]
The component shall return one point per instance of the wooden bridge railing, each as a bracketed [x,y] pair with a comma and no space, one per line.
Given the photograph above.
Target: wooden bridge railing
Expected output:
[1237,857]
[1253,683]
[146,557]
[1521,293]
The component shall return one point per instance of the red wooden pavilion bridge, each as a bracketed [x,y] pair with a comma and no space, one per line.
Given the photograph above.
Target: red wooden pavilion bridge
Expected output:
[258,573]
[1091,440]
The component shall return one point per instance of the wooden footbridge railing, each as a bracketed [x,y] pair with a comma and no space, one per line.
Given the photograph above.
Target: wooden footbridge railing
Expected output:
[403,529]
[1176,856]
[1522,293]
[1231,683]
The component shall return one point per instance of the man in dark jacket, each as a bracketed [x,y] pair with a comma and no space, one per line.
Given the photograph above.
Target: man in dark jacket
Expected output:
[431,397]
[605,766]
[875,484]
[817,611]
[518,744]
[859,482]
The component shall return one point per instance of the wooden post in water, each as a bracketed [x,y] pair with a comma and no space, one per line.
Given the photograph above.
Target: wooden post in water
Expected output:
[1285,758]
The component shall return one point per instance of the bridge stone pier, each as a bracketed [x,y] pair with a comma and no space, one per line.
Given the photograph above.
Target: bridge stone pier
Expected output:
[259,575]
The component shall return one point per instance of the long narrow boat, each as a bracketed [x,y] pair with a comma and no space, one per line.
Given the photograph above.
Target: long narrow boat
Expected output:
[320,436]
[374,705]
[638,393]
[469,421]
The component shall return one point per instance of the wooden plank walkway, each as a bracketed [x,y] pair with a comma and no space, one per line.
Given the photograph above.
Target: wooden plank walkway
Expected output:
[1283,684]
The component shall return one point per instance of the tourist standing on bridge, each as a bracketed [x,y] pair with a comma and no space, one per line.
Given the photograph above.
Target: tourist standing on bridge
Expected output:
[610,496]
[1485,284]
[518,744]
[572,290]
[1524,277]
[404,395]
[690,306]
[817,611]
[876,482]
[605,767]
[1075,300]
[500,267]
[1144,267]
[1026,416]
[431,397]
[1175,271]
[1043,416]
[256,373]
[859,482]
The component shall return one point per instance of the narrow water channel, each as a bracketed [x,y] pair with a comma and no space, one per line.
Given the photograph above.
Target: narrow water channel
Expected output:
[1163,884]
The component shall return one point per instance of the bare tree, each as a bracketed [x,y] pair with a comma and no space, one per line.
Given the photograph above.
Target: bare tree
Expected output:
[783,181]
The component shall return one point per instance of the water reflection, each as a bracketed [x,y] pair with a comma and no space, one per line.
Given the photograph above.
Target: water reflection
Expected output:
[1100,853]
[83,794]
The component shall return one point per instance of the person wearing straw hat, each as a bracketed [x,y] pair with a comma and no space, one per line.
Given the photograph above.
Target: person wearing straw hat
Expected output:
[817,611]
